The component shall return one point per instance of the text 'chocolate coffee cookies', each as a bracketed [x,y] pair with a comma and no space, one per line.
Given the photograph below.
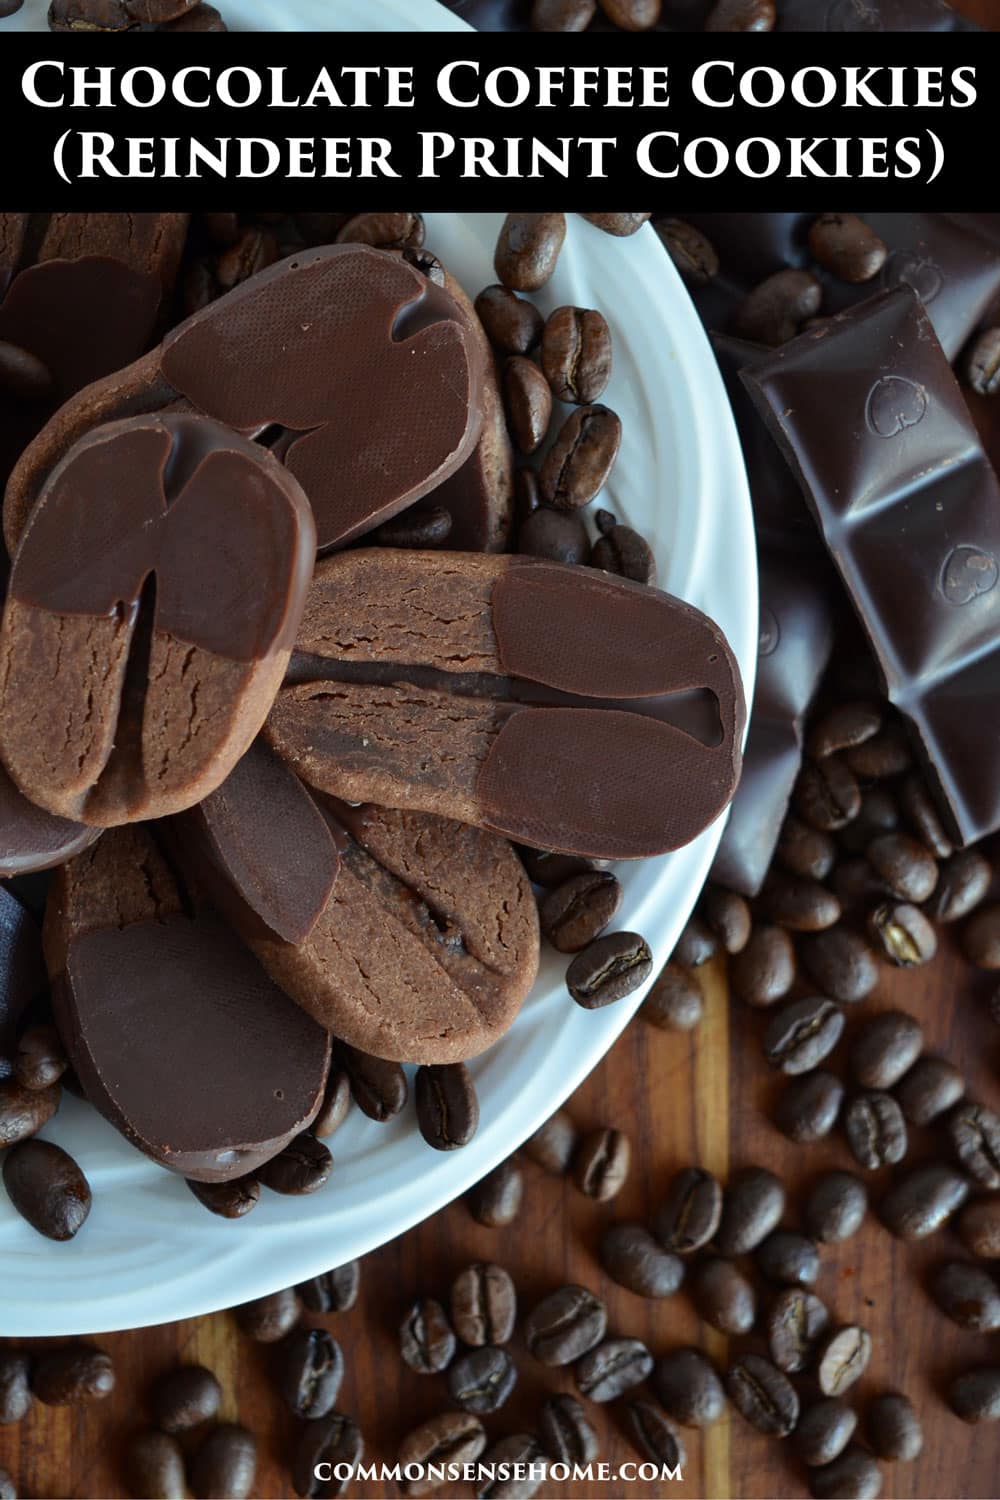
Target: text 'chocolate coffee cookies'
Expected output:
[177,1035]
[153,602]
[560,706]
[427,940]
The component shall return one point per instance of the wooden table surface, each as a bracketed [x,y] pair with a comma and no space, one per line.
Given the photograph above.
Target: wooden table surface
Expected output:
[700,1099]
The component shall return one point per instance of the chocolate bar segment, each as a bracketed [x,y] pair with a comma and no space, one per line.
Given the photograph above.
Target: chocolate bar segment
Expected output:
[909,508]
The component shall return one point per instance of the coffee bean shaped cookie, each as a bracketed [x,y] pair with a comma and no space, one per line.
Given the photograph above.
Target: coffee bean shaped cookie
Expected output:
[427,943]
[153,602]
[177,1035]
[560,706]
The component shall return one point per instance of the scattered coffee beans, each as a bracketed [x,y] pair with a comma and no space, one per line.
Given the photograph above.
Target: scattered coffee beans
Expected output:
[843,1359]
[675,1002]
[876,1130]
[453,1437]
[225,1464]
[184,1397]
[496,1198]
[565,1325]
[844,245]
[481,1380]
[654,1435]
[690,1213]
[809,1106]
[975,1396]
[447,1106]
[763,1395]
[968,1295]
[802,1034]
[854,1473]
[15,1390]
[527,250]
[689,1387]
[885,1048]
[566,1431]
[752,1206]
[576,354]
[334,1291]
[893,1428]
[633,1258]
[612,1368]
[601,1164]
[483,1305]
[575,913]
[922,1201]
[332,1440]
[795,1322]
[552,1146]
[269,1318]
[788,1259]
[308,1370]
[824,1430]
[724,1297]
[303,1167]
[975,1136]
[928,1089]
[73,1375]
[835,1207]
[426,1340]
[230,1200]
[765,970]
[47,1188]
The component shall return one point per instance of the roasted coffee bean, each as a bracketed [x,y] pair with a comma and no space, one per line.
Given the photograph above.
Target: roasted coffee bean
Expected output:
[885,1048]
[453,1437]
[982,363]
[856,883]
[268,1319]
[483,1305]
[527,250]
[527,402]
[724,1297]
[930,1087]
[562,15]
[334,1291]
[885,754]
[843,727]
[788,1259]
[378,1087]
[573,914]
[225,1464]
[576,354]
[922,815]
[184,1397]
[47,1188]
[805,851]
[623,225]
[893,1428]
[415,529]
[843,1359]
[303,1167]
[89,15]
[968,1295]
[608,969]
[963,881]
[612,1368]
[752,1206]
[908,869]
[762,1394]
[154,1466]
[230,1200]
[519,1457]
[577,466]
[72,1375]
[40,1060]
[654,1435]
[802,1034]
[728,916]
[975,1396]
[689,1215]
[741,15]
[981,938]
[23,1111]
[601,1164]
[689,1387]
[622,551]
[799,904]
[835,1207]
[826,795]
[512,325]
[15,1390]
[558,535]
[879,814]
[426,1339]
[902,934]
[975,1135]
[824,1430]
[774,312]
[696,945]
[336,1103]
[447,1106]
[566,1433]
[922,1201]
[308,1370]
[979,1228]
[526,502]
[334,1440]
[691,252]
[385,231]
[876,1130]
[565,1325]
[765,971]
[675,1002]
[552,1145]
[845,246]
[482,1379]
[796,1321]
[633,1258]
[496,1199]
[852,1476]
[809,1106]
[841,963]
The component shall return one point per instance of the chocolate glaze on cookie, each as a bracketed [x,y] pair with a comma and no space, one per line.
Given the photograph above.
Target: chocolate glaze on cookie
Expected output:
[153,602]
[177,1035]
[562,707]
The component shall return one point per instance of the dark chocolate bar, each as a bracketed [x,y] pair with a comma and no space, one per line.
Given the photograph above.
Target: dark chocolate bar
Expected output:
[909,507]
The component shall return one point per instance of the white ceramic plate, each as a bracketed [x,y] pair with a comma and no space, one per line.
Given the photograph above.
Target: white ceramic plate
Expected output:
[296,15]
[149,1253]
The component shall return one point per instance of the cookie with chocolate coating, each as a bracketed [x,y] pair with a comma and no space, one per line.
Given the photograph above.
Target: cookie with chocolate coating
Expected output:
[153,602]
[562,707]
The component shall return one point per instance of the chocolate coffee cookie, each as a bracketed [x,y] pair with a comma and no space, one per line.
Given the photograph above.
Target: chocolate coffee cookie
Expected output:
[356,369]
[560,706]
[153,603]
[177,1035]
